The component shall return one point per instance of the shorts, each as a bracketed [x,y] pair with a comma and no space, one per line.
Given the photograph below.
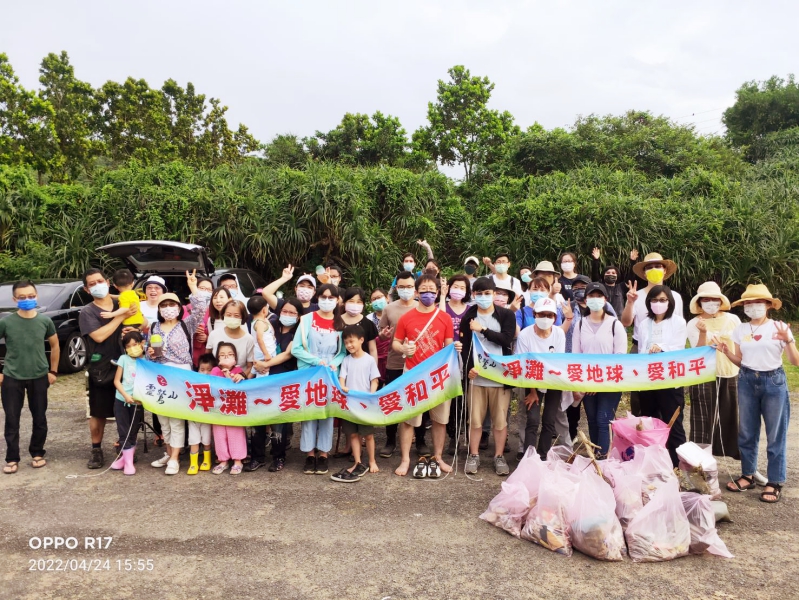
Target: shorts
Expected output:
[484,399]
[439,414]
[353,428]
[101,401]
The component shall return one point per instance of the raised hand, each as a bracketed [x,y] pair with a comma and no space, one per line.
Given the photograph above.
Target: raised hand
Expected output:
[595,253]
[556,287]
[191,280]
[568,313]
[633,254]
[423,243]
[288,272]
[632,292]
[783,334]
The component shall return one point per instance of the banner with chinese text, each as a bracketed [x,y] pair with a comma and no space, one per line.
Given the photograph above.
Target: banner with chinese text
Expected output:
[303,395]
[598,372]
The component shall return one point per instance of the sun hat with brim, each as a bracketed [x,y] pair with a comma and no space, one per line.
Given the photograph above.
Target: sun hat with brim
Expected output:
[709,289]
[472,259]
[545,267]
[654,257]
[169,296]
[758,291]
[511,294]
[156,280]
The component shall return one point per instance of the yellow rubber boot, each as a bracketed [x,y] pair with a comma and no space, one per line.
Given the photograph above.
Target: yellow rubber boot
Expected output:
[206,464]
[192,470]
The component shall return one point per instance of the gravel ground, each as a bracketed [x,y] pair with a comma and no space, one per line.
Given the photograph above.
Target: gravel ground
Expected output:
[289,535]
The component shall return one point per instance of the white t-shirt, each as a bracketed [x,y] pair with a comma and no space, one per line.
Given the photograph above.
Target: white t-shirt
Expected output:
[150,313]
[528,341]
[509,283]
[245,345]
[759,350]
[358,373]
[640,313]
[489,322]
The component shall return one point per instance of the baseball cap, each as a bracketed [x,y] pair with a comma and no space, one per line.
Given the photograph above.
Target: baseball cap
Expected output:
[472,259]
[545,305]
[307,278]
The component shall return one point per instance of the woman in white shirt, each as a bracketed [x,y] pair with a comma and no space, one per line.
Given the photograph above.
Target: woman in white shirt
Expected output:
[714,325]
[663,330]
[762,389]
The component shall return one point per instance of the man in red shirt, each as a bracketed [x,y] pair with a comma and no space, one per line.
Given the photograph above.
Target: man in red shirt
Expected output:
[420,333]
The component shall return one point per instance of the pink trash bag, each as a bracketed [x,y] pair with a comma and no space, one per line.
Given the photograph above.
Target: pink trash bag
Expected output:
[509,508]
[595,529]
[653,464]
[529,472]
[644,431]
[547,524]
[702,521]
[660,531]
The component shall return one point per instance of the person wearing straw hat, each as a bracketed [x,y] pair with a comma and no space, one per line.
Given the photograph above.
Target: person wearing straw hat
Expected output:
[547,270]
[757,349]
[712,325]
[655,270]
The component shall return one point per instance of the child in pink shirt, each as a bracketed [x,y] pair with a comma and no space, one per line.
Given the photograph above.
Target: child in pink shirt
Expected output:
[230,441]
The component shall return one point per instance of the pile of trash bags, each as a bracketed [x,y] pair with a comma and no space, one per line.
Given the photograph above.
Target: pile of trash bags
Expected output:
[610,508]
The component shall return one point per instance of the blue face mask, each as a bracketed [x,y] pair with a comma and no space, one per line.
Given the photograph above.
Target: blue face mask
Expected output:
[378,304]
[99,291]
[536,296]
[26,304]
[484,301]
[527,278]
[287,321]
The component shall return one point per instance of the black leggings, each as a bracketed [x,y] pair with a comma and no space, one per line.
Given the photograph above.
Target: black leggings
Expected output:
[128,422]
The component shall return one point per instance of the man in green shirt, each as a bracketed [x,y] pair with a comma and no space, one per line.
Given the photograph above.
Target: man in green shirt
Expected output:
[26,370]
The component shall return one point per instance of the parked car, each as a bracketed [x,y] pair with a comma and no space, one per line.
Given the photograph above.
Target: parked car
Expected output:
[171,260]
[62,301]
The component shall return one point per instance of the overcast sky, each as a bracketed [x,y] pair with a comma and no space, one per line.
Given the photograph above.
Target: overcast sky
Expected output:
[295,66]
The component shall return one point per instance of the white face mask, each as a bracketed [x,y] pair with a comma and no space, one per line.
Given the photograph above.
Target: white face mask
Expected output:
[544,323]
[408,266]
[232,322]
[711,307]
[405,294]
[501,268]
[327,304]
[567,267]
[659,308]
[755,311]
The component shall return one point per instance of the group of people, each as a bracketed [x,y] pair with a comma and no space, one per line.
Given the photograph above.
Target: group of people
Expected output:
[370,339]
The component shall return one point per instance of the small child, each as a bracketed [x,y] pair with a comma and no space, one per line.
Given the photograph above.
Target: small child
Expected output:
[128,412]
[231,441]
[263,333]
[200,433]
[123,281]
[359,372]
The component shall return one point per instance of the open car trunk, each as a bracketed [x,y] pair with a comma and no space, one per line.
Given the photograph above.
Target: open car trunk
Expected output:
[154,256]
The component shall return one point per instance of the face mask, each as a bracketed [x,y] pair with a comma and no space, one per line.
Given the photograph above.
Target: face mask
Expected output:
[500,301]
[484,301]
[353,308]
[405,294]
[579,295]
[235,294]
[527,278]
[470,269]
[134,351]
[595,304]
[711,307]
[232,322]
[655,276]
[457,294]
[26,304]
[755,311]
[659,308]
[501,269]
[544,323]
[427,298]
[379,304]
[335,281]
[536,296]
[408,266]
[203,294]
[305,294]
[567,267]
[170,313]
[288,321]
[99,291]
[610,279]
[327,304]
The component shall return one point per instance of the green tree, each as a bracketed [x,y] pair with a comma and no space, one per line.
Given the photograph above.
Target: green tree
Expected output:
[760,109]
[285,150]
[463,130]
[362,140]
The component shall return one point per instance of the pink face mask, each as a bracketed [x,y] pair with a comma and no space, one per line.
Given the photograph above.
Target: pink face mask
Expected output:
[305,294]
[659,308]
[353,308]
[457,294]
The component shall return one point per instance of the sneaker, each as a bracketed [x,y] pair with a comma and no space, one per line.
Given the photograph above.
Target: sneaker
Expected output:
[310,465]
[433,470]
[344,476]
[422,449]
[97,460]
[360,470]
[420,470]
[321,465]
[172,467]
[501,465]
[759,479]
[388,450]
[472,462]
[483,441]
[253,465]
[161,462]
[277,465]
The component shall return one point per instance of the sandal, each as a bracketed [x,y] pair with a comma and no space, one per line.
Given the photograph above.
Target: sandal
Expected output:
[38,462]
[10,468]
[220,468]
[236,469]
[750,483]
[776,492]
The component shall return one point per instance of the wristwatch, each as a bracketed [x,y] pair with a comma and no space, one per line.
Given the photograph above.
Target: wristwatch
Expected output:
[53,373]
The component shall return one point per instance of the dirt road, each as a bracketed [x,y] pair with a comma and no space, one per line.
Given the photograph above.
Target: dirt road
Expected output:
[289,535]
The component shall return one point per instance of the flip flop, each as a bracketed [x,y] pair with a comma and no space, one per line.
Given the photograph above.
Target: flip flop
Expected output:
[40,460]
[10,468]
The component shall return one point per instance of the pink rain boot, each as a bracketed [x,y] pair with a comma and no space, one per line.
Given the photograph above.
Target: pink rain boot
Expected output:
[119,463]
[127,455]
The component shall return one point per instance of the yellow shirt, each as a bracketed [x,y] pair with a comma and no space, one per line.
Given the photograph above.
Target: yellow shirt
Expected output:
[128,299]
[718,330]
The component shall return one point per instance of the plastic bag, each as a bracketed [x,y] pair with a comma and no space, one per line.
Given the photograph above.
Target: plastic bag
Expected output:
[643,431]
[702,522]
[699,470]
[528,472]
[653,464]
[509,508]
[547,524]
[660,531]
[595,530]
[558,453]
[627,493]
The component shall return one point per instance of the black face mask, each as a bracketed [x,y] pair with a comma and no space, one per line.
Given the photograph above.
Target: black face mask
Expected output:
[610,279]
[578,294]
[470,269]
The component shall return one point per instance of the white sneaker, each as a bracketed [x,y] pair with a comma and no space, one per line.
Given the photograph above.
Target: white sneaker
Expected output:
[161,462]
[759,479]
[172,468]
